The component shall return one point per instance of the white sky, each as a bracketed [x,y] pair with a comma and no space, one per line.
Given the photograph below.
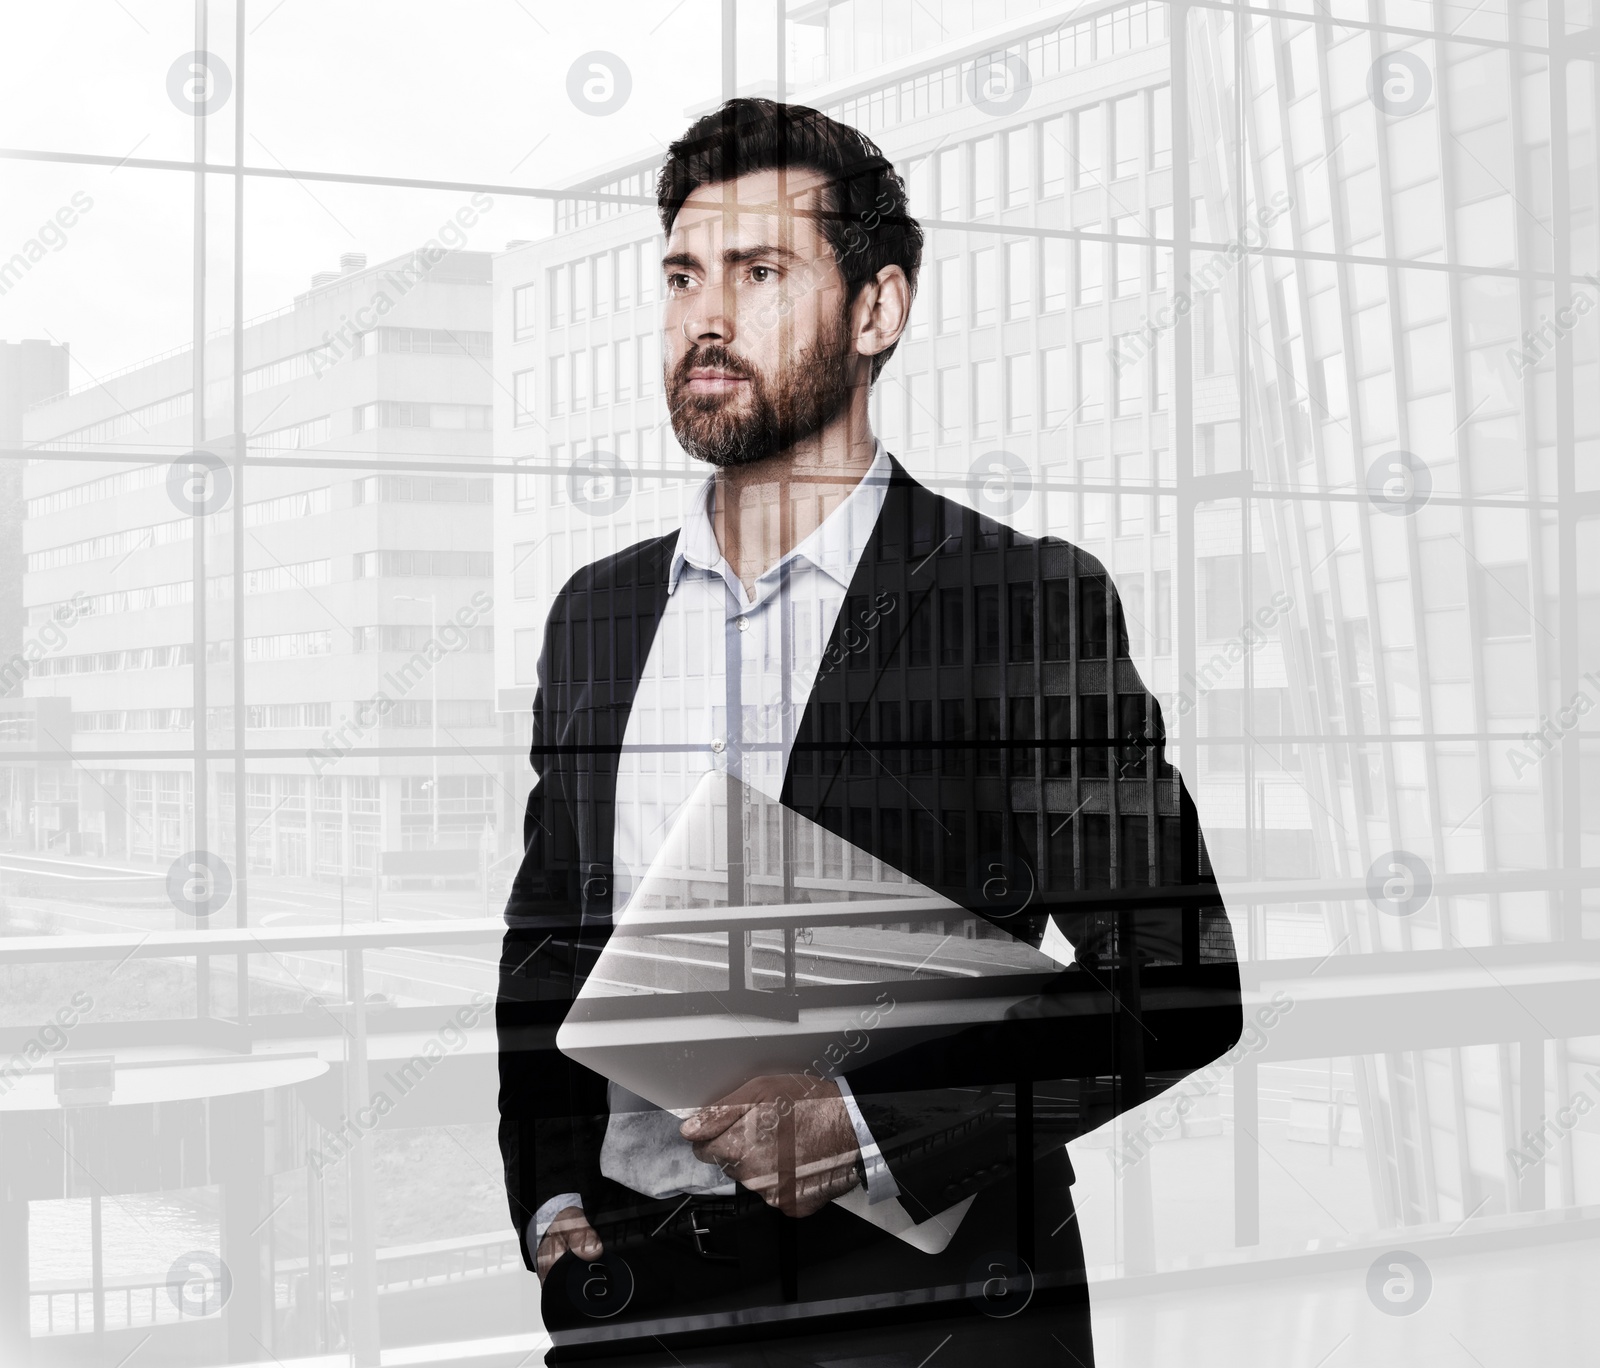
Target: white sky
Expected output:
[475,90]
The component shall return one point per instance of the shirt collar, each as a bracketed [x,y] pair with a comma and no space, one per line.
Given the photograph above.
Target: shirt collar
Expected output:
[835,546]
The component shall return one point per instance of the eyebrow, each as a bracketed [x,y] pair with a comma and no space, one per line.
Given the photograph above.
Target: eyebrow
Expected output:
[734,256]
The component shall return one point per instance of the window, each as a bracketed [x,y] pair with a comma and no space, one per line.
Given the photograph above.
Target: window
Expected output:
[950,198]
[1129,376]
[952,629]
[602,284]
[1055,386]
[948,276]
[921,404]
[1127,142]
[1052,158]
[919,188]
[986,625]
[623,378]
[985,398]
[1163,255]
[626,270]
[1019,393]
[558,296]
[1132,473]
[1019,279]
[1055,274]
[1159,371]
[523,397]
[649,363]
[560,372]
[983,177]
[648,272]
[1160,127]
[1019,648]
[523,318]
[525,647]
[1091,382]
[1091,269]
[1089,152]
[580,380]
[949,404]
[1161,618]
[984,294]
[1130,258]
[602,376]
[1016,167]
[582,290]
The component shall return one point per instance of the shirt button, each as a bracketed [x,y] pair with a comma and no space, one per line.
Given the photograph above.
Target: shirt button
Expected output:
[744,624]
[717,746]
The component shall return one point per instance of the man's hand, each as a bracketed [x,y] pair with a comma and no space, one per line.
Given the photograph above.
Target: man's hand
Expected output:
[786,1137]
[570,1230]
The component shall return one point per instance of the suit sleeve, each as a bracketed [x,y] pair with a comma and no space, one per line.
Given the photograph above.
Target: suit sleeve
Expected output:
[1152,996]
[552,1113]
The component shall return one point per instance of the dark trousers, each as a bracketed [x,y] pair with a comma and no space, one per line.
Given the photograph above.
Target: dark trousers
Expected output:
[762,1290]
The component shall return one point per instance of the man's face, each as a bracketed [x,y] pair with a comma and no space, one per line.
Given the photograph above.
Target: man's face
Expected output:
[759,352]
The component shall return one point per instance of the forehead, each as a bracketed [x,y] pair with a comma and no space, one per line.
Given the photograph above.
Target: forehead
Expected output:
[769,206]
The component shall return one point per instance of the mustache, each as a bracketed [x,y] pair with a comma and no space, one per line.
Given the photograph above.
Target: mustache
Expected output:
[713,356]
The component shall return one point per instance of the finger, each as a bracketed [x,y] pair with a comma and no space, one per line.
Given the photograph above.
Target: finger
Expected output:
[711,1121]
[585,1243]
[551,1248]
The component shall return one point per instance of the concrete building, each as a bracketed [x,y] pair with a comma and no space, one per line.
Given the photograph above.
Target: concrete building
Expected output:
[351,568]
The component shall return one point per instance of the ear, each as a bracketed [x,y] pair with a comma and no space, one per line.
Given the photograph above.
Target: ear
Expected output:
[883,308]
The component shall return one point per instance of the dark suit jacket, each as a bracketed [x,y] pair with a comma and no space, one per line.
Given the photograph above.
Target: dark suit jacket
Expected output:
[976,723]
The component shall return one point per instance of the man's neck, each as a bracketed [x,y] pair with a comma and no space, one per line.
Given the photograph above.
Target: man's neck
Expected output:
[762,511]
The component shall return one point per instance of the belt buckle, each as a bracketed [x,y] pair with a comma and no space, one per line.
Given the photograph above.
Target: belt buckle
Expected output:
[699,1232]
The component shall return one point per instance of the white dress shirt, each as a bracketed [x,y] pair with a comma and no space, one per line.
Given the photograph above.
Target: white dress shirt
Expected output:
[718,655]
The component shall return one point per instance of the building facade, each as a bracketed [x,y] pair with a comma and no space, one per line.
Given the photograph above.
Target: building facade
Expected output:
[368,613]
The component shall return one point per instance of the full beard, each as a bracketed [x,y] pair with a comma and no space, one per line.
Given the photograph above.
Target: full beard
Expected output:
[725,431]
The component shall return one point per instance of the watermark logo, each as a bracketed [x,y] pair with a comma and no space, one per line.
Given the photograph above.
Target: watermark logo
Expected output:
[999,83]
[50,1039]
[1399,483]
[52,234]
[1003,884]
[1537,344]
[1130,348]
[1000,483]
[1538,1144]
[599,483]
[368,713]
[199,83]
[199,483]
[601,1288]
[1254,634]
[199,883]
[1157,1122]
[199,1283]
[1399,83]
[49,639]
[1543,743]
[1399,883]
[599,83]
[450,1038]
[395,284]
[1399,1283]
[1000,1284]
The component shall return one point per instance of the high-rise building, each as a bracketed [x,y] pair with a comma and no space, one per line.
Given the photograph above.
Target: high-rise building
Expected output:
[1325,506]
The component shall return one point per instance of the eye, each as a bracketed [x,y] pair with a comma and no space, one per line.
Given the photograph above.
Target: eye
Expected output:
[762,274]
[677,281]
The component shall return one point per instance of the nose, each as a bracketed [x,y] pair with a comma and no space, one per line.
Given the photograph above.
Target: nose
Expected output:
[710,320]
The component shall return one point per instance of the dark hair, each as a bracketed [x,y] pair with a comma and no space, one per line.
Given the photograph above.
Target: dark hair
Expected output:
[865,214]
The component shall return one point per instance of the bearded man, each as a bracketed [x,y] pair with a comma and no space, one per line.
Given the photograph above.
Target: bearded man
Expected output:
[939,694]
